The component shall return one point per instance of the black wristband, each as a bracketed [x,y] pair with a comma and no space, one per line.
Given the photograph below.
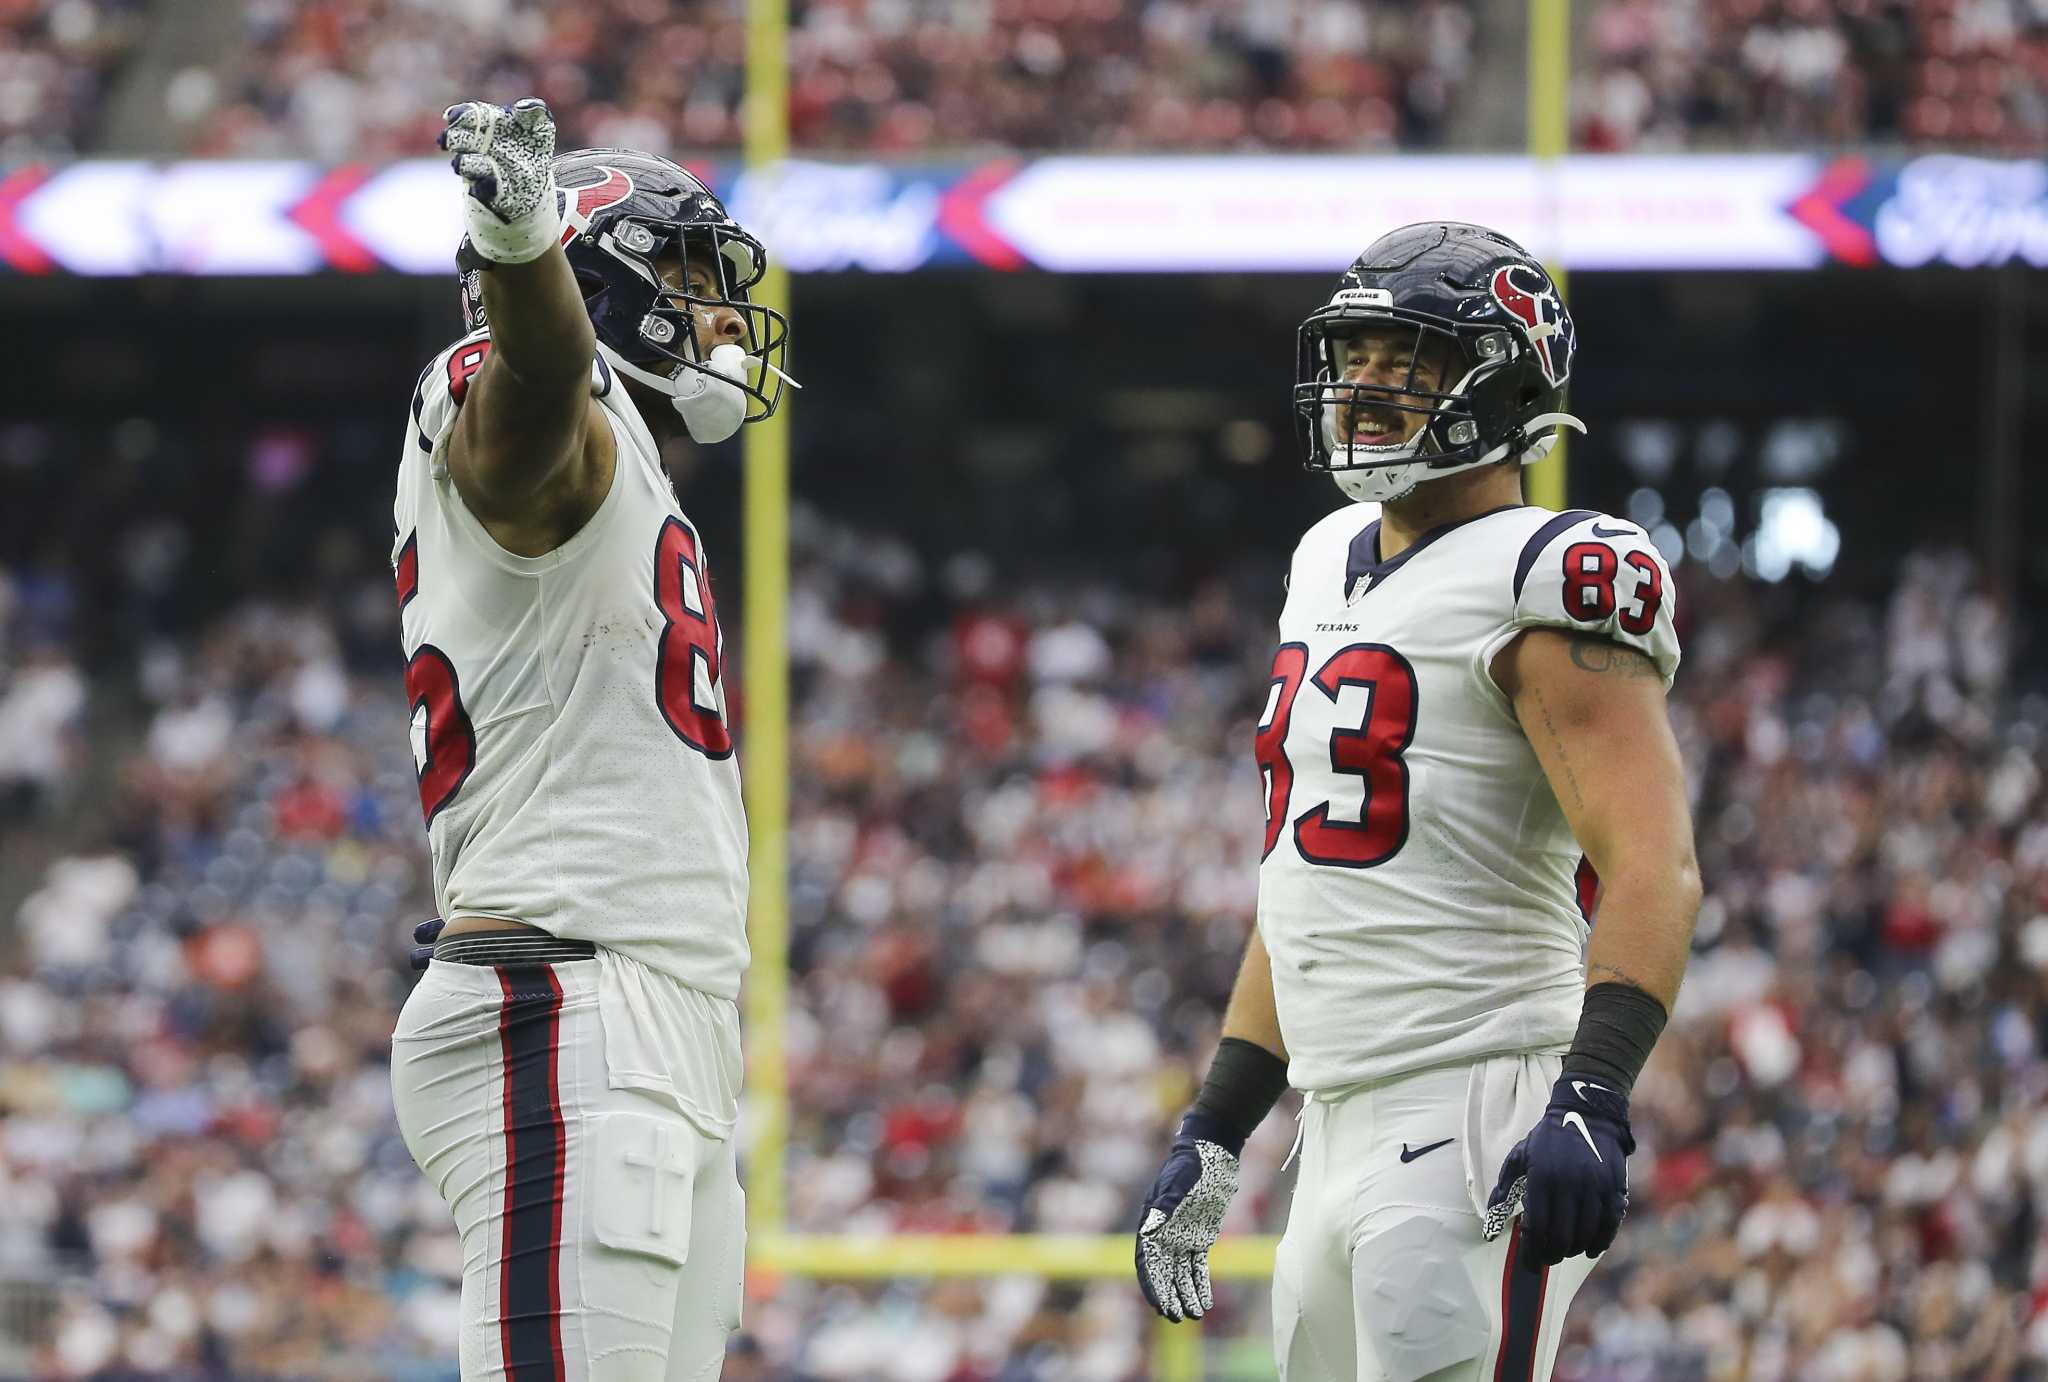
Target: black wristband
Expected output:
[1245,1081]
[1618,1027]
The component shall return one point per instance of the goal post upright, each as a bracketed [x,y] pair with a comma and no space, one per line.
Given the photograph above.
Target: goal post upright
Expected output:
[1548,116]
[765,761]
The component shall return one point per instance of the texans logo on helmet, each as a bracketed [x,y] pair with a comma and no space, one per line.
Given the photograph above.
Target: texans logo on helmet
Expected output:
[1525,294]
[588,201]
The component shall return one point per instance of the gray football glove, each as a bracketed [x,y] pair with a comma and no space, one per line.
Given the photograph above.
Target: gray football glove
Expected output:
[507,158]
[1183,1215]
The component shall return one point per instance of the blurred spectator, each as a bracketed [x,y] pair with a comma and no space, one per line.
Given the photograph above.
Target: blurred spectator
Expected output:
[42,695]
[40,709]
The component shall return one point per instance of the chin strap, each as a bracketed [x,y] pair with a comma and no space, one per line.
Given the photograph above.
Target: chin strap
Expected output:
[1533,449]
[1541,446]
[707,396]
[710,404]
[1386,483]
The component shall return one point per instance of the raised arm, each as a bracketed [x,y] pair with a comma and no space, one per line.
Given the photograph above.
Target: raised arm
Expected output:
[531,453]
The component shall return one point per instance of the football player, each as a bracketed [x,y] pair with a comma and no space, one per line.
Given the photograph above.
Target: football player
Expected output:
[1464,744]
[567,1071]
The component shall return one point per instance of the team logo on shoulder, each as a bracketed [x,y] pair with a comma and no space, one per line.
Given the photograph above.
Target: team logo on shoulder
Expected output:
[579,204]
[1526,294]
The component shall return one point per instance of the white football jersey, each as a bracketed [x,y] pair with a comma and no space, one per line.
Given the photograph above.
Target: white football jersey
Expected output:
[568,716]
[1421,894]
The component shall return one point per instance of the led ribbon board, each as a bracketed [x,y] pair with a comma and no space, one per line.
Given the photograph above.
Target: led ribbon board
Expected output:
[1236,214]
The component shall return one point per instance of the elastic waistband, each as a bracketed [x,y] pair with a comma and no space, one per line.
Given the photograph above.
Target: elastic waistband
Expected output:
[1337,1094]
[511,948]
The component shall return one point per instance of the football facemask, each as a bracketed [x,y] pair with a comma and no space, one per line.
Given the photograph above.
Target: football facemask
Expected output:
[1447,433]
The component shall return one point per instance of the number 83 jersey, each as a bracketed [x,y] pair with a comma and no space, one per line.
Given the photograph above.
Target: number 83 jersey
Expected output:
[1421,897]
[575,765]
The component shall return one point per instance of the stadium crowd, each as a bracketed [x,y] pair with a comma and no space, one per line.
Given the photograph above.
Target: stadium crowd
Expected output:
[1794,74]
[57,61]
[354,78]
[1023,864]
[343,80]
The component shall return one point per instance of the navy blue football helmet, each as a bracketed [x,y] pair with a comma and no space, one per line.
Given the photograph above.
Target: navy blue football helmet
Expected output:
[1478,303]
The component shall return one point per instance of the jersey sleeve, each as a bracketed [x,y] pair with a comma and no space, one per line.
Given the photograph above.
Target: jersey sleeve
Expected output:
[444,383]
[438,394]
[1591,573]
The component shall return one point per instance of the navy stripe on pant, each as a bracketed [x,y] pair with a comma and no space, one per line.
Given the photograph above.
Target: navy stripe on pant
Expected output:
[1521,1315]
[530,1277]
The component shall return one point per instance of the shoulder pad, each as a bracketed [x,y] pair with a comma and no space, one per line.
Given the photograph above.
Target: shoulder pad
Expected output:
[1592,573]
[444,384]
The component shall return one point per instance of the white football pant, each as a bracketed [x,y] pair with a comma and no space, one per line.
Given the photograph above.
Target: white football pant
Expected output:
[1382,1275]
[603,1233]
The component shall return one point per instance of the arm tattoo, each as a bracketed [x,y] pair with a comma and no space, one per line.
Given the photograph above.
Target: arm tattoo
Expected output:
[1564,759]
[1598,973]
[1594,654]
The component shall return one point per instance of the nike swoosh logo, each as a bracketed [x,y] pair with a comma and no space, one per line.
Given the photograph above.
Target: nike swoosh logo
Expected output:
[1573,1120]
[1579,1087]
[1407,1155]
[1599,531]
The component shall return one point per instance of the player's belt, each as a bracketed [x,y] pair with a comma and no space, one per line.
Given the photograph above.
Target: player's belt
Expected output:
[511,948]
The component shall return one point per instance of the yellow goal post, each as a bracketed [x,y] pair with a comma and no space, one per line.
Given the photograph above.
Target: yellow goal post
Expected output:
[1177,1350]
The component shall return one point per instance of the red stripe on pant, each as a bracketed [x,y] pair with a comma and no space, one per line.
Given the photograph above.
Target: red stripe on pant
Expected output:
[1587,883]
[1521,1315]
[536,1156]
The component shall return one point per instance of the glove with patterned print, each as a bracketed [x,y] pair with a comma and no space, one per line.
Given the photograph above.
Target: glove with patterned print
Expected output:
[1182,1217]
[506,155]
[1568,1177]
